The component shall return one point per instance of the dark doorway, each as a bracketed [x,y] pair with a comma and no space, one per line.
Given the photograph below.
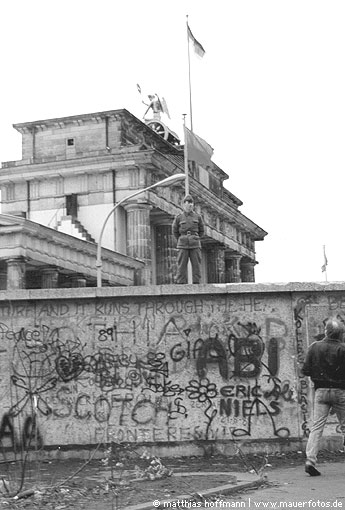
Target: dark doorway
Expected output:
[72,205]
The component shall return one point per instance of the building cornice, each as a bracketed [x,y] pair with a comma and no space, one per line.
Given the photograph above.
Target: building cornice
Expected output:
[57,167]
[76,120]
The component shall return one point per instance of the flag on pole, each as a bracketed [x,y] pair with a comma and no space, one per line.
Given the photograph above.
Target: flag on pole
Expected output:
[199,50]
[197,149]
[325,261]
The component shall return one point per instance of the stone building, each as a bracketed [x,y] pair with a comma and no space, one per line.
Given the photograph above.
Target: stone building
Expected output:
[74,170]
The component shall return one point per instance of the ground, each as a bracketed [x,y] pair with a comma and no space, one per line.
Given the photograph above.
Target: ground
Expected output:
[76,485]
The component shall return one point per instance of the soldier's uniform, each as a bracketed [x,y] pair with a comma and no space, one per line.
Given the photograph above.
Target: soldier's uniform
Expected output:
[188,228]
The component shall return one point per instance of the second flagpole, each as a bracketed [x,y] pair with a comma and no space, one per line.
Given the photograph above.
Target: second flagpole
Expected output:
[189,79]
[185,156]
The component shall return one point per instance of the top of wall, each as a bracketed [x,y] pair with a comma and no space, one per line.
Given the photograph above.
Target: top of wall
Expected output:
[171,290]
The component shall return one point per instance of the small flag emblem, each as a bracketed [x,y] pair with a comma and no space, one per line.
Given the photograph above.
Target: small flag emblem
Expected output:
[199,50]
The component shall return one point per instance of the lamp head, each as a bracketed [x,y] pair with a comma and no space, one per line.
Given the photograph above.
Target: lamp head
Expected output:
[171,179]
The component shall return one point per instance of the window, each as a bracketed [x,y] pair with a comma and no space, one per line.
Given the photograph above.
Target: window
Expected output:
[70,142]
[10,192]
[215,185]
[72,205]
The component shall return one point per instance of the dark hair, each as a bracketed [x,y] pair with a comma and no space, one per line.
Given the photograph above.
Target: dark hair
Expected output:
[334,328]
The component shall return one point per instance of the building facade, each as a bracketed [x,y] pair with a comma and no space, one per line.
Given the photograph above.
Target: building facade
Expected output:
[75,169]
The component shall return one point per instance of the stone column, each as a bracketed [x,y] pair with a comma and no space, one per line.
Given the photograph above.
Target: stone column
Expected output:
[78,281]
[166,255]
[233,270]
[248,271]
[216,264]
[49,277]
[237,268]
[139,239]
[3,278]
[16,273]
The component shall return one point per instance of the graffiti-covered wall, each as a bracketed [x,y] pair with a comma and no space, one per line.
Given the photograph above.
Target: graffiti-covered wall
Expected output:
[161,366]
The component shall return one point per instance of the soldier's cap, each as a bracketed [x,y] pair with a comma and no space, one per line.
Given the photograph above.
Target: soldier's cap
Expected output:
[188,198]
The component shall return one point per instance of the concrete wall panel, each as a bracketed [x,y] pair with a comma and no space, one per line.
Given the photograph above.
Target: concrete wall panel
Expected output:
[169,366]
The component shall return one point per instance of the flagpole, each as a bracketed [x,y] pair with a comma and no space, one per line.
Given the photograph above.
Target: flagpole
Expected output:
[185,155]
[190,81]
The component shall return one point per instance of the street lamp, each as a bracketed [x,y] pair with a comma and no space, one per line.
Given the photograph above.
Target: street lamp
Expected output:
[165,182]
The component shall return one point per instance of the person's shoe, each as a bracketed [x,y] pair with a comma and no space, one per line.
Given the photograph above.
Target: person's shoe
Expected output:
[311,470]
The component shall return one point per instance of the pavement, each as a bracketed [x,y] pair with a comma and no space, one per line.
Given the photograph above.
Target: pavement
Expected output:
[290,487]
[277,487]
[201,483]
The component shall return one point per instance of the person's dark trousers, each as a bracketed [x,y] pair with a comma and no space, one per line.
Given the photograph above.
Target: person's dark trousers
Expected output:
[183,256]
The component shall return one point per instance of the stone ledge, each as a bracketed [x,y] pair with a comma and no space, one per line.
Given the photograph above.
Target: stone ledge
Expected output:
[173,290]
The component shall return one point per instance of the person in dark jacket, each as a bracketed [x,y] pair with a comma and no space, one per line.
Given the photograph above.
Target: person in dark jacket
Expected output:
[188,228]
[325,365]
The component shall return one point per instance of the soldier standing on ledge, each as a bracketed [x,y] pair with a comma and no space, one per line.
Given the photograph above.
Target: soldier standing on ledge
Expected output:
[188,228]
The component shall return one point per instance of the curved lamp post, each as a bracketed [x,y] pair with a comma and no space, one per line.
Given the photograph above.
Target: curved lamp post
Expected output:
[165,182]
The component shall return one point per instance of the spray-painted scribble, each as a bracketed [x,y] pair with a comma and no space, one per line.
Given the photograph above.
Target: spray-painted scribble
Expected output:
[204,391]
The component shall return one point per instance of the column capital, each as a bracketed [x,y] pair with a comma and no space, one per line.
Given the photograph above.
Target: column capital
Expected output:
[249,263]
[48,269]
[134,206]
[16,260]
[235,256]
[78,280]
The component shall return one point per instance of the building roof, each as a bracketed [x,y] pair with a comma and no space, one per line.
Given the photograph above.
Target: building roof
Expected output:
[43,246]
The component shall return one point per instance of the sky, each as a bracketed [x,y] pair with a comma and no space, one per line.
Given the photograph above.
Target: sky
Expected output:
[268,96]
